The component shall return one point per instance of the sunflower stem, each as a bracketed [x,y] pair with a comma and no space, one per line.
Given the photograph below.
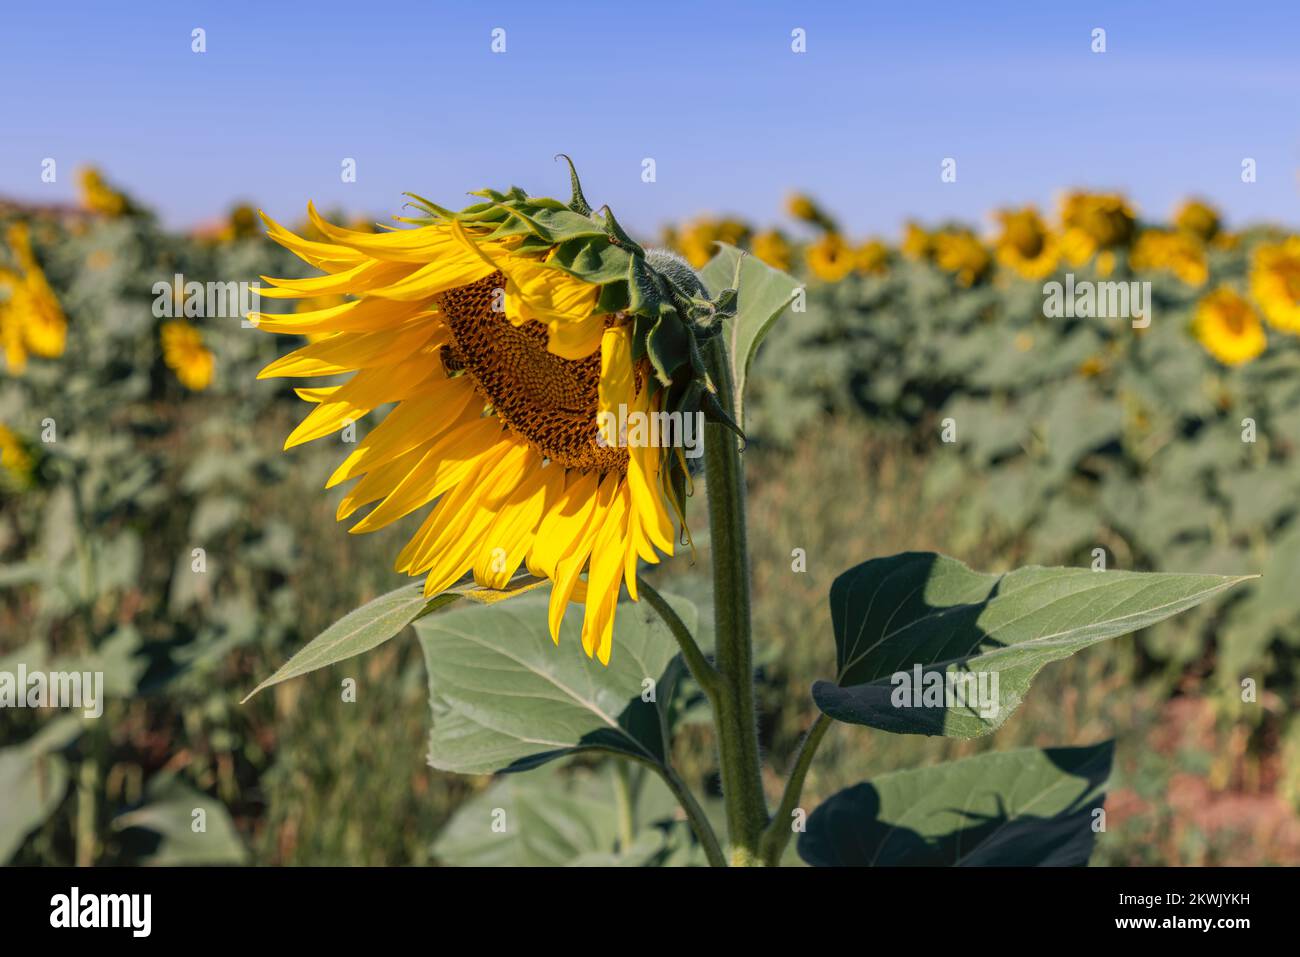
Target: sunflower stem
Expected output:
[705,675]
[735,714]
[778,832]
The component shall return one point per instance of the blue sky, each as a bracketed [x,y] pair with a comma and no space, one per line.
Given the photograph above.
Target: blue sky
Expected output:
[711,91]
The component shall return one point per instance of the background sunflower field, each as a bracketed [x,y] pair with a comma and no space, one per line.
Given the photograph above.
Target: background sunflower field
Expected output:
[151,528]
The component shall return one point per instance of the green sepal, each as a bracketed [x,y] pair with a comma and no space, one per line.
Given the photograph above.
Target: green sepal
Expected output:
[597,261]
[617,233]
[578,203]
[613,298]
[668,345]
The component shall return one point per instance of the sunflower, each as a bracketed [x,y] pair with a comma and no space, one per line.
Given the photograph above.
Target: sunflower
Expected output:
[1174,251]
[15,460]
[804,208]
[871,258]
[830,258]
[959,251]
[773,248]
[186,355]
[31,320]
[1095,224]
[1025,244]
[918,243]
[505,333]
[1198,218]
[99,197]
[1275,283]
[1228,327]
[698,240]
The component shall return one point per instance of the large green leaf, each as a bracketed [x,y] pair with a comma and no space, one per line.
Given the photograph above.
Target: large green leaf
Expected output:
[764,294]
[559,818]
[33,780]
[379,620]
[1016,808]
[505,697]
[924,614]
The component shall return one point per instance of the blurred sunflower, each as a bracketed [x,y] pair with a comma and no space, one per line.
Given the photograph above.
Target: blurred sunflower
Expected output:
[804,208]
[1177,252]
[1198,218]
[918,243]
[241,223]
[31,320]
[871,258]
[773,248]
[1275,283]
[1025,244]
[830,258]
[959,251]
[1095,224]
[504,333]
[186,355]
[99,197]
[697,240]
[15,460]
[1228,327]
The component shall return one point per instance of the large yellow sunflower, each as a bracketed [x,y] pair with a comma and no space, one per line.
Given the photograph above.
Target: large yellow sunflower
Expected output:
[1275,283]
[1228,327]
[503,333]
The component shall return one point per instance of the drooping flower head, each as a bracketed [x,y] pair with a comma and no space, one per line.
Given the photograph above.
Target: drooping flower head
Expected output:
[511,335]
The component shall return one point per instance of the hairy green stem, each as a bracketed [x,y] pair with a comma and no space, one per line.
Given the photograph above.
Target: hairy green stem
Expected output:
[701,670]
[779,830]
[695,815]
[735,714]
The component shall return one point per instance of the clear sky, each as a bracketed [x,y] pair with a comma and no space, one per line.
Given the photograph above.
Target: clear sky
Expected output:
[710,90]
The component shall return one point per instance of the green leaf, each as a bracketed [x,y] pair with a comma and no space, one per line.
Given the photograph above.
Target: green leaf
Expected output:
[988,635]
[764,294]
[170,816]
[379,620]
[1017,808]
[33,780]
[548,819]
[504,697]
